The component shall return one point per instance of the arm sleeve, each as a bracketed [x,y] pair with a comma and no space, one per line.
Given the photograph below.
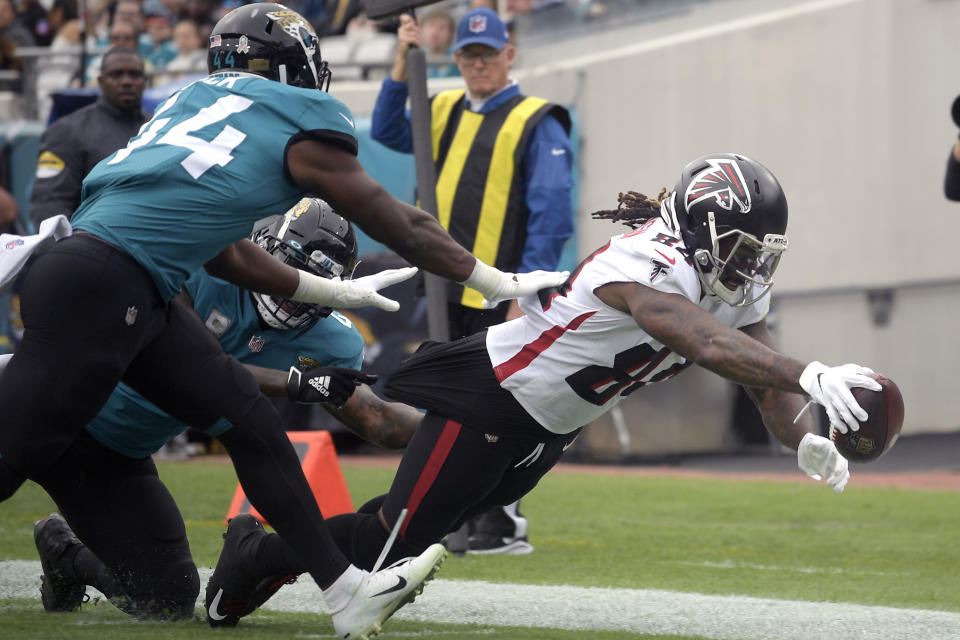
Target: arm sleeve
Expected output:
[390,124]
[59,176]
[548,165]
[951,184]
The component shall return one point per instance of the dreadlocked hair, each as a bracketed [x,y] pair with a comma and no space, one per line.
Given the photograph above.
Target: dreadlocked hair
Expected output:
[633,209]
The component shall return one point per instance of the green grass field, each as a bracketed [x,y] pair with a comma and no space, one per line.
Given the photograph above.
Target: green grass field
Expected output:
[798,542]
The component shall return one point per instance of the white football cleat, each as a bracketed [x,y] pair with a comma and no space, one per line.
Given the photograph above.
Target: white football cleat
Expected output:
[382,593]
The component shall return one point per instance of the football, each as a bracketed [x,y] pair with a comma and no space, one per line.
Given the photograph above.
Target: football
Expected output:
[885,418]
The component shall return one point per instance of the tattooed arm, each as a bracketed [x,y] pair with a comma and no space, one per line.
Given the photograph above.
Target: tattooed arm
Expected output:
[389,425]
[779,408]
[386,424]
[695,334]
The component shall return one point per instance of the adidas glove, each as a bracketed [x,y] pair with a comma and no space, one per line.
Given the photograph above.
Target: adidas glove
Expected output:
[819,459]
[330,385]
[348,294]
[830,387]
[496,285]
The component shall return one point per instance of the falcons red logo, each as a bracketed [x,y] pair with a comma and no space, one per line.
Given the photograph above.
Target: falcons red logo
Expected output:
[722,181]
[659,270]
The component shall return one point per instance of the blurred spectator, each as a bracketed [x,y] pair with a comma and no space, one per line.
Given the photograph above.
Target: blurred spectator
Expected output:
[156,45]
[60,13]
[33,16]
[191,55]
[336,16]
[9,62]
[437,28]
[129,11]
[122,34]
[74,144]
[56,71]
[10,26]
[204,12]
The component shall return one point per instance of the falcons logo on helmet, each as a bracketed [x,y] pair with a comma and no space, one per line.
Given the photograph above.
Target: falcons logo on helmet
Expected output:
[723,181]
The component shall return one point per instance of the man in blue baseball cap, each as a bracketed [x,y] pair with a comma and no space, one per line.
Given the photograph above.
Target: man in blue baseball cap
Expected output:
[504,177]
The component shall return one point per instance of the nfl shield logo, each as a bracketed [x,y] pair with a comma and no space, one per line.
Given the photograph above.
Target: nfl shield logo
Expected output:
[131,316]
[256,344]
[478,24]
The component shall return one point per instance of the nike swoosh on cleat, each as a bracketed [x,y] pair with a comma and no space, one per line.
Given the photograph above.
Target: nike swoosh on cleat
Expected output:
[212,611]
[401,583]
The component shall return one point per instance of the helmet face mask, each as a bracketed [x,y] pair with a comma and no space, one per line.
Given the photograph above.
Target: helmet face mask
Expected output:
[312,237]
[272,41]
[746,273]
[731,213]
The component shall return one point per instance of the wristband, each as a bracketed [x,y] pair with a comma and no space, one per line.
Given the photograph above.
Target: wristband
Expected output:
[483,278]
[315,289]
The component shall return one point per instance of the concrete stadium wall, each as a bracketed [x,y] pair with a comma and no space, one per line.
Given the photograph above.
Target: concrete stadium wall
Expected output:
[847,101]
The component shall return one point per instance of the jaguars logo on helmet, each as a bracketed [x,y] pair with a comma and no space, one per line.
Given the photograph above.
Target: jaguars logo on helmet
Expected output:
[269,40]
[313,237]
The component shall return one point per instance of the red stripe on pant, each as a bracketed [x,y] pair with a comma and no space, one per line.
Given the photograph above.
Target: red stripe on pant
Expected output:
[431,469]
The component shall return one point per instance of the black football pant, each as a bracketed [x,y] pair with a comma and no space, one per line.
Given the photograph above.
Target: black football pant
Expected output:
[135,543]
[92,317]
[449,473]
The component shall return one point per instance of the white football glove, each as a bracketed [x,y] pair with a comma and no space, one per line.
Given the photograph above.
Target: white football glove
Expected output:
[496,285]
[819,459]
[348,294]
[830,387]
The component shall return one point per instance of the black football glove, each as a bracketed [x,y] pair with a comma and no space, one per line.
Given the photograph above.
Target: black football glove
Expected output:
[330,385]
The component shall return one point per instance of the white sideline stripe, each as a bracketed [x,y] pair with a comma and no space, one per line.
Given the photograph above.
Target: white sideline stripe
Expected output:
[692,35]
[583,608]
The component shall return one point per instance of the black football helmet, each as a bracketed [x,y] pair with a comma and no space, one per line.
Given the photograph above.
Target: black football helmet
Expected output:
[731,213]
[310,236]
[269,40]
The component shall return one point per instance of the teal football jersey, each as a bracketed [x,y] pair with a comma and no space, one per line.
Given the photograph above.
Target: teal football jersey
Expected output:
[131,425]
[209,164]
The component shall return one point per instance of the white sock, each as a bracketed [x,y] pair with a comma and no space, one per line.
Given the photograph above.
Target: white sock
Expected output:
[339,593]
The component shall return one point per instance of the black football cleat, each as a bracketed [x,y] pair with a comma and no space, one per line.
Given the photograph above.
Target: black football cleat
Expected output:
[235,590]
[54,539]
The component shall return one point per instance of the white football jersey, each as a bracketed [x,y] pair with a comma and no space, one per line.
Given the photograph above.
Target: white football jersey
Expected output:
[572,357]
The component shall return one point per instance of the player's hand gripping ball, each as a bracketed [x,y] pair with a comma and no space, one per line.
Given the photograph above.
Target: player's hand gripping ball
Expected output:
[885,418]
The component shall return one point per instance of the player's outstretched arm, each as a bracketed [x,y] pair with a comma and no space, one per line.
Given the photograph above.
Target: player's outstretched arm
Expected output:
[779,409]
[692,332]
[249,267]
[695,334]
[386,424]
[338,177]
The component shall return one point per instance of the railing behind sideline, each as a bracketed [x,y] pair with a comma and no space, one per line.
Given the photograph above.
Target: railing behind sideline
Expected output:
[33,59]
